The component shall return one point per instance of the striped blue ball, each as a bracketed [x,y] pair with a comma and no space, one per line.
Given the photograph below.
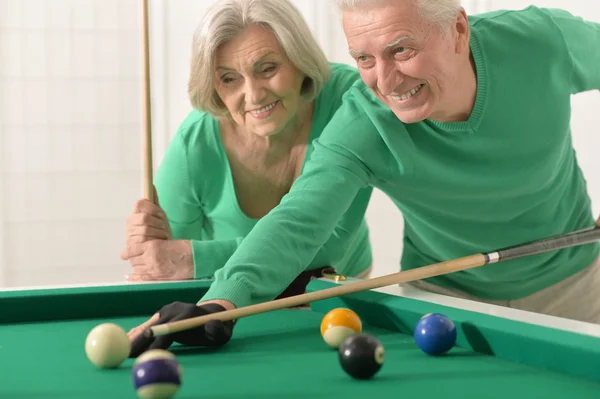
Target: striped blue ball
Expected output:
[156,375]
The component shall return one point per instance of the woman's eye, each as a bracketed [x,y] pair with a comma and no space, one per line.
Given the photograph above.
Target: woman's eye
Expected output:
[227,79]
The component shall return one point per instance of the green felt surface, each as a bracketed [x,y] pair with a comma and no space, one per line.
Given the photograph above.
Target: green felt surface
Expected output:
[548,348]
[275,355]
[282,355]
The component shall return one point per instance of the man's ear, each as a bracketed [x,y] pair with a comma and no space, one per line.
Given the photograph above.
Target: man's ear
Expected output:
[462,31]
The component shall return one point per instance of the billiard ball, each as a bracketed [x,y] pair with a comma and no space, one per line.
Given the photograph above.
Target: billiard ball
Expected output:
[107,345]
[435,334]
[156,375]
[361,356]
[338,324]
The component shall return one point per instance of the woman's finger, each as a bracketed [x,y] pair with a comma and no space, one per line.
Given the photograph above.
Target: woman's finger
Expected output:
[145,206]
[134,277]
[132,251]
[139,234]
[145,219]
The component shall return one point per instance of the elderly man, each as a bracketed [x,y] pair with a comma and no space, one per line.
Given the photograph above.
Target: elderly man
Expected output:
[464,124]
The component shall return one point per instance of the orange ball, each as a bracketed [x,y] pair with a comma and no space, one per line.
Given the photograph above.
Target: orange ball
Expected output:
[339,324]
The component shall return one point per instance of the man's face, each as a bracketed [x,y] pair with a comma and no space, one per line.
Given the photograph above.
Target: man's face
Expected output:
[408,62]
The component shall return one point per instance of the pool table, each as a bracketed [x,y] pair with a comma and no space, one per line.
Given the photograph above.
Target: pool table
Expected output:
[281,354]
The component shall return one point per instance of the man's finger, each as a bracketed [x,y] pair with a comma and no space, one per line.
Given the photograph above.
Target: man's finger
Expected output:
[140,343]
[145,324]
[161,342]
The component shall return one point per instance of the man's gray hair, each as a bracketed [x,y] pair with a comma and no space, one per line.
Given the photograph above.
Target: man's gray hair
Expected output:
[441,12]
[226,19]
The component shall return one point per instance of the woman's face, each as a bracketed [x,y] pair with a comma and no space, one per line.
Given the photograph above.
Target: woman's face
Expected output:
[257,82]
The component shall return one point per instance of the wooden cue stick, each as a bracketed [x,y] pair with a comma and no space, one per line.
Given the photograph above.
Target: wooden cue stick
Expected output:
[576,238]
[147,112]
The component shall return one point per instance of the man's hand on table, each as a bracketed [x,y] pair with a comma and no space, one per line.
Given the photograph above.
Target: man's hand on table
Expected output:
[214,333]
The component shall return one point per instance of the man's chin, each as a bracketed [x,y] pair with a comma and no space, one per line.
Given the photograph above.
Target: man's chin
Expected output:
[412,115]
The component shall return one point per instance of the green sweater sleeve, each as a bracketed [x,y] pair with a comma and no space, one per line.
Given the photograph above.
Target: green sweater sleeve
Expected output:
[211,255]
[285,241]
[184,210]
[582,41]
[340,250]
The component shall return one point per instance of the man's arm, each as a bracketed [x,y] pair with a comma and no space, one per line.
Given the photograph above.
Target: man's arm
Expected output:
[582,39]
[341,250]
[284,242]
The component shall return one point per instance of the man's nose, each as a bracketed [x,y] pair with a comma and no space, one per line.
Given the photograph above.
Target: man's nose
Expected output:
[388,78]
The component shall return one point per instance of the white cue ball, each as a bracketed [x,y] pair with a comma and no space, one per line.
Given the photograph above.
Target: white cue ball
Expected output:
[107,345]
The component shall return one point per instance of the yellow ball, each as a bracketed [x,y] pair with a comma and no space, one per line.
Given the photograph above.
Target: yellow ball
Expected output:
[339,324]
[107,345]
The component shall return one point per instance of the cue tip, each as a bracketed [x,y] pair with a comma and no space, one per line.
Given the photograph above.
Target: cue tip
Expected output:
[148,333]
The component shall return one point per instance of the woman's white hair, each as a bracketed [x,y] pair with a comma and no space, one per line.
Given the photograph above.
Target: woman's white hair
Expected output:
[226,19]
[441,12]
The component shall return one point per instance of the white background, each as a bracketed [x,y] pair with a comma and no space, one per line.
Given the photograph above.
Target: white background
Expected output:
[70,127]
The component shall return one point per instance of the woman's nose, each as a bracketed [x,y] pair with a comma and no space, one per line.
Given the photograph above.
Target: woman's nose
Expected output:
[255,92]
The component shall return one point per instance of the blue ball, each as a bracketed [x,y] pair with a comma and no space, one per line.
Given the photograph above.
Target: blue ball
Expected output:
[435,334]
[156,375]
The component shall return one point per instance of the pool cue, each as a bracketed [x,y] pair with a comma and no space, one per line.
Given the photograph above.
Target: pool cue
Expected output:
[576,238]
[147,112]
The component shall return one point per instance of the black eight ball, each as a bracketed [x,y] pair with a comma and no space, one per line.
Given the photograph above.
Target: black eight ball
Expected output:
[361,356]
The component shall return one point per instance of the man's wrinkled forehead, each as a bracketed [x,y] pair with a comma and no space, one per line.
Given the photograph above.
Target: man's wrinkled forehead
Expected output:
[379,17]
[381,28]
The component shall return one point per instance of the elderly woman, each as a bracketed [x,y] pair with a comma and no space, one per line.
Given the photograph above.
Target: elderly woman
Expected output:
[262,92]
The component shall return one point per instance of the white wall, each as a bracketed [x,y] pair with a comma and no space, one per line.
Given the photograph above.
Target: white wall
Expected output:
[70,81]
[70,148]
